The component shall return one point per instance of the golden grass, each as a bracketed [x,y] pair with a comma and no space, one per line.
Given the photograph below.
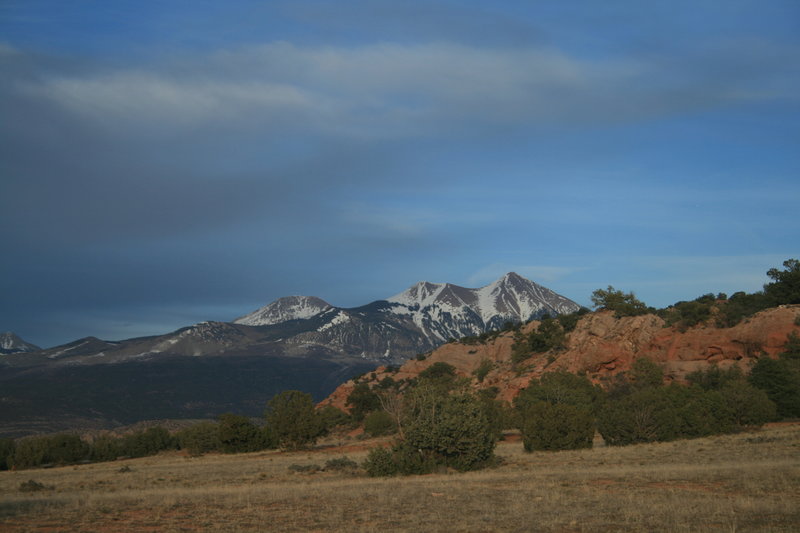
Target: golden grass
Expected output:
[745,482]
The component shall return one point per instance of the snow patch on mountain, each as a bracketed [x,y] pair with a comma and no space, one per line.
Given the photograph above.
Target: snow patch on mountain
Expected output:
[340,318]
[285,309]
[444,310]
[11,343]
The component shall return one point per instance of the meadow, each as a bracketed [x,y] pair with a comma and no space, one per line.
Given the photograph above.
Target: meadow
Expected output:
[743,482]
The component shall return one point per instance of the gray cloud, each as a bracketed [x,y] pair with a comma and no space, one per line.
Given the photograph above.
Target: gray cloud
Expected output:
[200,177]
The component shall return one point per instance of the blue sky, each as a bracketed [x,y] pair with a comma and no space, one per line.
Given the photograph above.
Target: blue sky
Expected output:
[164,163]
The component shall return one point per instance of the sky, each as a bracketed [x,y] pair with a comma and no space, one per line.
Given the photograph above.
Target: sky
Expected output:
[168,162]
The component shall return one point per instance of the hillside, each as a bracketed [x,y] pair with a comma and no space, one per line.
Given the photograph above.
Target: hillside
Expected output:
[602,346]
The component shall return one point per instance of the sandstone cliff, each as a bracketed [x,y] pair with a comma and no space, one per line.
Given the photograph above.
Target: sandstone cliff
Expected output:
[602,345]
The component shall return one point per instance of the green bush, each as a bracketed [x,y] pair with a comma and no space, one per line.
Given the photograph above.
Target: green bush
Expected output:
[30,452]
[55,449]
[443,428]
[147,442]
[687,314]
[746,405]
[483,370]
[791,350]
[380,463]
[701,413]
[362,401]
[292,418]
[645,374]
[548,335]
[675,411]
[7,447]
[646,415]
[622,303]
[741,305]
[379,423]
[713,378]
[200,438]
[548,426]
[570,320]
[560,387]
[780,380]
[238,434]
[331,417]
[105,448]
[439,371]
[499,414]
[785,289]
[451,430]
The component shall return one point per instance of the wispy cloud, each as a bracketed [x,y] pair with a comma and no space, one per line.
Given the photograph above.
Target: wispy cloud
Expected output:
[400,89]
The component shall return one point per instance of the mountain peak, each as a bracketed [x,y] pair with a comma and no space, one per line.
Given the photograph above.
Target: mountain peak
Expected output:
[12,343]
[283,309]
[509,298]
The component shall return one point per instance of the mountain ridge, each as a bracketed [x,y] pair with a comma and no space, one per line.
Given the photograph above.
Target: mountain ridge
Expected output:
[414,321]
[209,368]
[13,343]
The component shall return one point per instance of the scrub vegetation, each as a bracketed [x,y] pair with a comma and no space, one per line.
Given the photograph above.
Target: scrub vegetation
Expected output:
[748,481]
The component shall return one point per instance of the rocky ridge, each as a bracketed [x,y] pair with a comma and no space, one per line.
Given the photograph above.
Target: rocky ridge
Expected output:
[602,346]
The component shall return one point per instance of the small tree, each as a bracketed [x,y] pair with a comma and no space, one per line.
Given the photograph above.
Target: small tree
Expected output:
[105,448]
[54,449]
[452,430]
[560,387]
[785,289]
[200,438]
[485,366]
[646,415]
[331,417]
[147,442]
[549,335]
[548,426]
[362,401]
[747,406]
[645,374]
[439,371]
[379,423]
[780,379]
[238,434]
[622,303]
[291,416]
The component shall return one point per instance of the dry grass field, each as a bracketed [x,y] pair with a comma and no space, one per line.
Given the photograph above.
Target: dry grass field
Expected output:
[744,482]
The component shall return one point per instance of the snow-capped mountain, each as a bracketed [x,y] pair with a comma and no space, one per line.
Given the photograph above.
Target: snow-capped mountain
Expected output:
[392,330]
[447,311]
[285,309]
[203,370]
[11,343]
[429,314]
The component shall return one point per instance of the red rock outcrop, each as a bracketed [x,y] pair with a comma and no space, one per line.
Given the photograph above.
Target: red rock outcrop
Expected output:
[602,345]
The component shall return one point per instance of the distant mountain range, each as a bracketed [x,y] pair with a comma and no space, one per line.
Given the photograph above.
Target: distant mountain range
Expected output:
[417,320]
[297,342]
[392,330]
